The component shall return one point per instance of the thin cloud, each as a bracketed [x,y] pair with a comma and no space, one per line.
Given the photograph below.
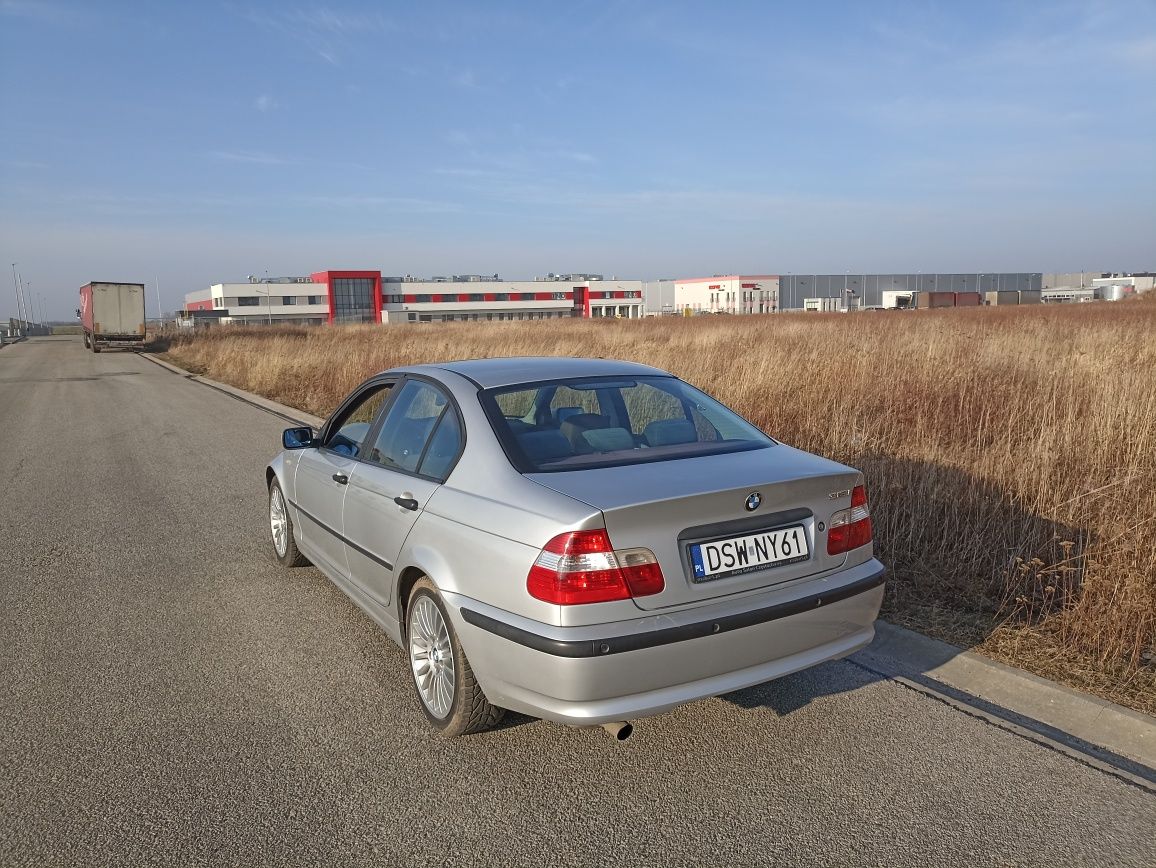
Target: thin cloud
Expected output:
[466,79]
[463,172]
[266,103]
[322,18]
[910,38]
[23,164]
[1140,52]
[40,11]
[906,111]
[402,204]
[326,32]
[252,157]
[459,138]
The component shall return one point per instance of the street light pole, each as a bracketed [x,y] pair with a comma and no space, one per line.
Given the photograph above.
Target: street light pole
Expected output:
[23,298]
[16,287]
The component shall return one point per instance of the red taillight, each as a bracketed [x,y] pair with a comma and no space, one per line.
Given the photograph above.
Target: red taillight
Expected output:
[850,528]
[582,567]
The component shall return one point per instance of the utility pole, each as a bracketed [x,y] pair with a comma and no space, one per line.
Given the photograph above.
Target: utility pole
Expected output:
[160,313]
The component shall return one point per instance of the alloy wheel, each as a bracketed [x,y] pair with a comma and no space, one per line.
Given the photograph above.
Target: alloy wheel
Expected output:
[432,657]
[278,520]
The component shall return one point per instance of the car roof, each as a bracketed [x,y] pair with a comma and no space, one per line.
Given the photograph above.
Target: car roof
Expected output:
[489,373]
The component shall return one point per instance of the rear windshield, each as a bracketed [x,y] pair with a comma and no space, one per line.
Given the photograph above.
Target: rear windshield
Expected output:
[604,422]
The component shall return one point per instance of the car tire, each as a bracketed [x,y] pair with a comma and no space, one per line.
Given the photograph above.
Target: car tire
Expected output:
[285,550]
[85,335]
[92,343]
[450,696]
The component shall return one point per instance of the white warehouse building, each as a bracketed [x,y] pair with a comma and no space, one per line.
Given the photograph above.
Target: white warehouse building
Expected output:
[475,298]
[731,293]
[367,297]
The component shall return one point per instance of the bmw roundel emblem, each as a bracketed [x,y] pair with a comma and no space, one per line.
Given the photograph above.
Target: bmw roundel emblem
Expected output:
[754,500]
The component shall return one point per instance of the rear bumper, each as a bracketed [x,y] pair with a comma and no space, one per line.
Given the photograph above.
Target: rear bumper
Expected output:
[631,669]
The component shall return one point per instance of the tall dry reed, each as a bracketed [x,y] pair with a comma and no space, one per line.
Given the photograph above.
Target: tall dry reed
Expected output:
[1009,453]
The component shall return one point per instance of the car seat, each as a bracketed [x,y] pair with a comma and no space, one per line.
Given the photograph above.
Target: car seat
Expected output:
[667,432]
[573,427]
[608,439]
[542,447]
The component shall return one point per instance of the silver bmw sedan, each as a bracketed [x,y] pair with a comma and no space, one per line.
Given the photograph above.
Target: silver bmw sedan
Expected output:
[582,540]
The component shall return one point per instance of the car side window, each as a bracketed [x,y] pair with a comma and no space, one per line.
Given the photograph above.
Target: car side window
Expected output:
[444,446]
[401,442]
[347,434]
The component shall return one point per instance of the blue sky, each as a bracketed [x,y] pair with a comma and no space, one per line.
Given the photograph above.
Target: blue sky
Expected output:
[194,143]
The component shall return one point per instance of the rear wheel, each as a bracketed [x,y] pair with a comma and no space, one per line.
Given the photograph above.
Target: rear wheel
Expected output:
[92,343]
[449,694]
[281,530]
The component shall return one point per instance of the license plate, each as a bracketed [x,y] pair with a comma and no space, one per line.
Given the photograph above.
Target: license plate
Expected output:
[746,554]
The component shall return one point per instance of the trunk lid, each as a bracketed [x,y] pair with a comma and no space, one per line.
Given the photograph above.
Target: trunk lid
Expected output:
[676,507]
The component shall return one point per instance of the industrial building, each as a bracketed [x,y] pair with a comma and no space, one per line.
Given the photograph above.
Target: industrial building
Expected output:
[1086,286]
[471,297]
[796,292]
[731,293]
[864,291]
[276,300]
[368,297]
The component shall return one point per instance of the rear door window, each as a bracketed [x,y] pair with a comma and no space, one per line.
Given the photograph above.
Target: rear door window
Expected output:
[407,440]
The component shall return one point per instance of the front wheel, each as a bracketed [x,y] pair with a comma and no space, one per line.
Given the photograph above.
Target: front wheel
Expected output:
[450,695]
[281,530]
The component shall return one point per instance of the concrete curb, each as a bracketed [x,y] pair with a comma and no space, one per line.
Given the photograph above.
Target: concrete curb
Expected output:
[1042,706]
[290,414]
[1006,696]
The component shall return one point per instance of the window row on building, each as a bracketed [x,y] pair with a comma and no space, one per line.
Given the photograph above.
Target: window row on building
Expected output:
[258,300]
[487,316]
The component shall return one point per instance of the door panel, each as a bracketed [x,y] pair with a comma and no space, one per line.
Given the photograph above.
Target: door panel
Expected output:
[324,473]
[321,498]
[405,461]
[376,526]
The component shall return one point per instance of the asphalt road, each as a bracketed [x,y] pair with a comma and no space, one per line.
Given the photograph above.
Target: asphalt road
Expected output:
[169,696]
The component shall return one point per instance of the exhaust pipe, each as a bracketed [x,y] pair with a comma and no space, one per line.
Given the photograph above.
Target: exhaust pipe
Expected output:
[620,729]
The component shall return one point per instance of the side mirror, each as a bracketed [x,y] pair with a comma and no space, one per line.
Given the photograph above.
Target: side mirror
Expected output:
[297,438]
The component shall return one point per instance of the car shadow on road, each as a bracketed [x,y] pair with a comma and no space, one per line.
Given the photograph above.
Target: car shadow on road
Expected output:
[926,513]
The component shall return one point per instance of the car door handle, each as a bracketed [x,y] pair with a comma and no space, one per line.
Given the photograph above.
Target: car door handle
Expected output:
[406,503]
[340,478]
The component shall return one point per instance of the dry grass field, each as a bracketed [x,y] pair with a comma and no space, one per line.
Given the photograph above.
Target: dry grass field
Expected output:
[1010,454]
